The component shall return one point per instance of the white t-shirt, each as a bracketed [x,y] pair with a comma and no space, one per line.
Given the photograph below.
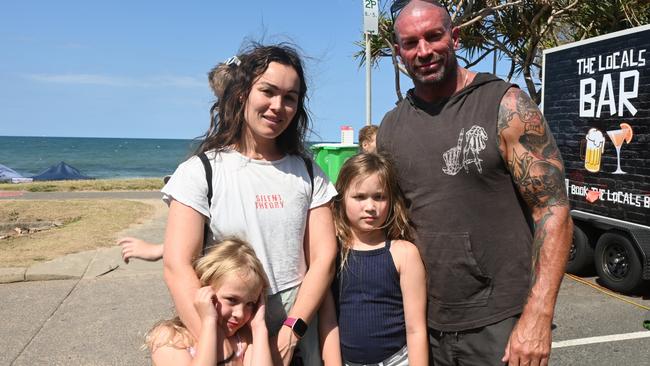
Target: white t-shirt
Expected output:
[262,202]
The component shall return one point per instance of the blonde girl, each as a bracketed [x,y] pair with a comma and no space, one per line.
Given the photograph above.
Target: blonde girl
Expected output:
[231,307]
[379,289]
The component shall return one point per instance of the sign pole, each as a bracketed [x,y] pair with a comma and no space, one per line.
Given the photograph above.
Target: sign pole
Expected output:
[370,27]
[368,83]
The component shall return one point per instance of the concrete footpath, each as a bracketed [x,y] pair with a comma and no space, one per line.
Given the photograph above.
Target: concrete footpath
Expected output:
[88,308]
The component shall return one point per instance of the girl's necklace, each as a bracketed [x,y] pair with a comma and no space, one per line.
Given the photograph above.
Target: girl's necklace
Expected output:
[226,360]
[235,350]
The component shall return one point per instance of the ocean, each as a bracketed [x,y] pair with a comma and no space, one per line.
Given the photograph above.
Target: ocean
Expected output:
[95,157]
[99,158]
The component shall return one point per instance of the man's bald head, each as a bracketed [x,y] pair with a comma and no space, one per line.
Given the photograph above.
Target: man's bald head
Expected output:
[426,44]
[415,6]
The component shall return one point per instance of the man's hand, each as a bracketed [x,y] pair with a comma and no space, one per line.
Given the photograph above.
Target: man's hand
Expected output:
[529,342]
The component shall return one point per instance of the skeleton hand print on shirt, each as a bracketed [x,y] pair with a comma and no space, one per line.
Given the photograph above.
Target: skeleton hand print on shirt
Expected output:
[475,142]
[452,157]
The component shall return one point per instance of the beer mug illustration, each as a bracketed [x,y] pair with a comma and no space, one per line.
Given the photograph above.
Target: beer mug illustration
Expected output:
[594,150]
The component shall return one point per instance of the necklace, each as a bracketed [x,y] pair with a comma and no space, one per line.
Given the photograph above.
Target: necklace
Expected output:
[465,81]
[227,359]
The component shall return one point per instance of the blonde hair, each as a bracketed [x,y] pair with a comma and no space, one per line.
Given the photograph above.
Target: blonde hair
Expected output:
[228,257]
[361,166]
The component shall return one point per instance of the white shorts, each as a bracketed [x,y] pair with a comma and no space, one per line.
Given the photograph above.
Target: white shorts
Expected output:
[399,358]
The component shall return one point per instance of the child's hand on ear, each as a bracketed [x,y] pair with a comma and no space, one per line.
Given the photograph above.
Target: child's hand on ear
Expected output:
[205,303]
[257,321]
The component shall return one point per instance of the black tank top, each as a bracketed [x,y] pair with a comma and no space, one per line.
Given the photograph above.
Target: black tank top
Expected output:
[370,307]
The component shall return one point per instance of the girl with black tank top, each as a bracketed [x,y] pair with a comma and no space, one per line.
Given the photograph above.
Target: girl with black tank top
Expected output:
[379,293]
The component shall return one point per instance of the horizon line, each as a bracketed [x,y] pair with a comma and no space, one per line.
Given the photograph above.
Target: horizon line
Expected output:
[132,138]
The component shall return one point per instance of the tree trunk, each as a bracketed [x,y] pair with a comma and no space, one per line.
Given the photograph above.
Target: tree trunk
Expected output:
[398,90]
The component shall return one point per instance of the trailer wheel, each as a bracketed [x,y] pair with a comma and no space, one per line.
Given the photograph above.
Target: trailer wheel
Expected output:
[617,263]
[581,254]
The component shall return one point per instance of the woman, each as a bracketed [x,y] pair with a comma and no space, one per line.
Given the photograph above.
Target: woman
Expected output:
[263,194]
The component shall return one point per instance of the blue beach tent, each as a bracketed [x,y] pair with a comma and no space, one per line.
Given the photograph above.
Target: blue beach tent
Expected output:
[61,171]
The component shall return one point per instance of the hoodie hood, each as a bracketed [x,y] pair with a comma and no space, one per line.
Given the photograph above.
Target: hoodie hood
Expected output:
[434,108]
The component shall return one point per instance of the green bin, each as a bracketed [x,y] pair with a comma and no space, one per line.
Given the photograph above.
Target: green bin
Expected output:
[330,157]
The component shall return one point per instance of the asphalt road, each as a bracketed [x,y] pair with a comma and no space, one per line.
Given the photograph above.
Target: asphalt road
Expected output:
[583,312]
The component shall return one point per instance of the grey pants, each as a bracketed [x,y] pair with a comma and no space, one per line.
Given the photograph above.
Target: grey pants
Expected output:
[483,346]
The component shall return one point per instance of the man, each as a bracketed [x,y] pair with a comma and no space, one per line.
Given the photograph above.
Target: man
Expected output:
[485,184]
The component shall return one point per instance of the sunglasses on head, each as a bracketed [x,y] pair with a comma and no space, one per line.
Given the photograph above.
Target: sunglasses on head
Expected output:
[398,5]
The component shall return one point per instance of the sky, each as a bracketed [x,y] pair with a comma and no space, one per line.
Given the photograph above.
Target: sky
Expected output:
[138,69]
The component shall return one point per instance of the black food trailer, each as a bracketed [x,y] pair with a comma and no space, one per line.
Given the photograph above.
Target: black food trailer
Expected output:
[596,99]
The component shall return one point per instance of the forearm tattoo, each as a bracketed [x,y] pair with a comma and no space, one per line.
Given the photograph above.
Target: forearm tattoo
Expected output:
[538,242]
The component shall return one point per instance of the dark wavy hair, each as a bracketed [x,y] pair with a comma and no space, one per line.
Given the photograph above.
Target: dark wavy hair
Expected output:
[227,125]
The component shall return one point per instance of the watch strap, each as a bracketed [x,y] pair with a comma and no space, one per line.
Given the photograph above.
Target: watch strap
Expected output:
[298,326]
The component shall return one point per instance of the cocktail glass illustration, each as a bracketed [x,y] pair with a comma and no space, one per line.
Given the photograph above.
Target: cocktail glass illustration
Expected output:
[618,137]
[594,150]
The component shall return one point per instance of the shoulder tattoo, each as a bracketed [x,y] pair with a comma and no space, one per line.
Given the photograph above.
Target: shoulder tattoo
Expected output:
[534,160]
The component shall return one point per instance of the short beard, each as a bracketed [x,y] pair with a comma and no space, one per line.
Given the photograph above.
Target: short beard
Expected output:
[445,73]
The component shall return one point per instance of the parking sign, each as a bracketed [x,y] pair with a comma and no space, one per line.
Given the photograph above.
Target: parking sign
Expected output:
[371,16]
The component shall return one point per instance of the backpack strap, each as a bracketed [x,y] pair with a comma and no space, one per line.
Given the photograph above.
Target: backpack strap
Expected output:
[208,177]
[310,171]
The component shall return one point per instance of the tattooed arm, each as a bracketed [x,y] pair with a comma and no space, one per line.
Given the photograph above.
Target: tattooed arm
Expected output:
[529,150]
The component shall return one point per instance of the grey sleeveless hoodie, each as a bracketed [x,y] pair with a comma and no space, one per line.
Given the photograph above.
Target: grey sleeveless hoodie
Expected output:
[473,230]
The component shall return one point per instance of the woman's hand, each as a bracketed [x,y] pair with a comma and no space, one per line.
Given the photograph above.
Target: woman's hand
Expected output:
[286,342]
[206,304]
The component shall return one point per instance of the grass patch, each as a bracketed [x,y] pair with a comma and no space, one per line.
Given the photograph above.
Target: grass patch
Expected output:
[133,184]
[87,224]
